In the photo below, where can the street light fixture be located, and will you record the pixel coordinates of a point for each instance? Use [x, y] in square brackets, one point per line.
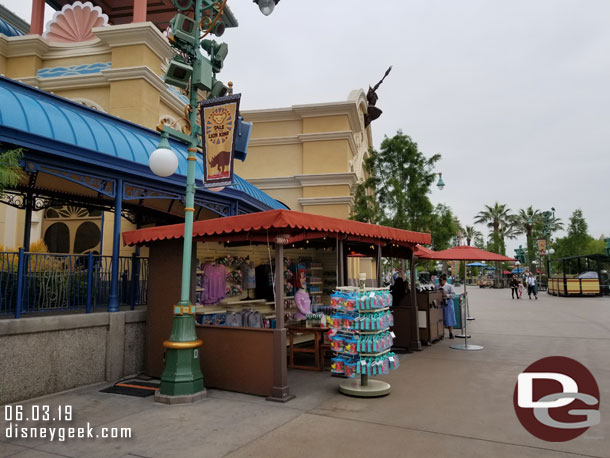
[163, 161]
[440, 184]
[266, 6]
[182, 380]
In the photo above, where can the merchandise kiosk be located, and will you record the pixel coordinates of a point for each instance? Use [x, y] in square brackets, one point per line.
[250, 356]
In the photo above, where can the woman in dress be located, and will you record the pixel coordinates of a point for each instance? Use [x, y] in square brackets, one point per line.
[448, 309]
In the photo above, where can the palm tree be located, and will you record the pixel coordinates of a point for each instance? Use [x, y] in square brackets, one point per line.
[10, 171]
[495, 217]
[507, 231]
[524, 223]
[471, 234]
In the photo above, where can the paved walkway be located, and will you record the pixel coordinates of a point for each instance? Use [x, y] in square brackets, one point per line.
[444, 403]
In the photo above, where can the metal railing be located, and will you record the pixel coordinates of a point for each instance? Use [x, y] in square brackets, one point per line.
[42, 282]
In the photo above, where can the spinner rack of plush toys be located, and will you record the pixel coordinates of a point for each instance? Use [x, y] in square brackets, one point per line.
[361, 340]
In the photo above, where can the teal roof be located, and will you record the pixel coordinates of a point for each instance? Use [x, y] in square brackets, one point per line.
[8, 30]
[92, 136]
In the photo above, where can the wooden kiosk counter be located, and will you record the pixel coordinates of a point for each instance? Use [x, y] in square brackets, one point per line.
[244, 359]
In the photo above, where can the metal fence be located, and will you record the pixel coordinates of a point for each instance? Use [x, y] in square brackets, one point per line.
[41, 282]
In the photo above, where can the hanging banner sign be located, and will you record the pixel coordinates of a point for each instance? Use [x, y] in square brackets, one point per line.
[541, 247]
[219, 123]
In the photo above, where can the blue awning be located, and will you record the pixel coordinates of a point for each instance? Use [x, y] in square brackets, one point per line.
[34, 118]
[8, 30]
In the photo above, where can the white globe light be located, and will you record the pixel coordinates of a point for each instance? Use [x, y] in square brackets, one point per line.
[551, 251]
[266, 6]
[163, 162]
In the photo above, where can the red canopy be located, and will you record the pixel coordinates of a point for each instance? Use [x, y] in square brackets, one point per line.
[423, 252]
[465, 253]
[265, 226]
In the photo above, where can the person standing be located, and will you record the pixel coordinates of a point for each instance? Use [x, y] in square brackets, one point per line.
[531, 286]
[514, 286]
[448, 308]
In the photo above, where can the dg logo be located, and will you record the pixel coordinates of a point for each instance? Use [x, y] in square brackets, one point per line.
[557, 399]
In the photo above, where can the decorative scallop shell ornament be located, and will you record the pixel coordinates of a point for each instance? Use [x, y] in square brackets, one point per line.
[74, 22]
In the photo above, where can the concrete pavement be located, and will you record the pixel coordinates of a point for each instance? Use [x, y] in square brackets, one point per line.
[444, 402]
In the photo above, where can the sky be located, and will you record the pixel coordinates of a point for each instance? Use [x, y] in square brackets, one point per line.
[513, 94]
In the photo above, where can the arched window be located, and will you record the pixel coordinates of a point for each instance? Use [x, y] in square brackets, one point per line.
[87, 237]
[57, 238]
[80, 229]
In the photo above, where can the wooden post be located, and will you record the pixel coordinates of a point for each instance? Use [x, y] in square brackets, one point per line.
[37, 18]
[280, 391]
[379, 269]
[139, 11]
[415, 343]
[340, 264]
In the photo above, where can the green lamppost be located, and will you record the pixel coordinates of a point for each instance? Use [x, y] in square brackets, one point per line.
[182, 380]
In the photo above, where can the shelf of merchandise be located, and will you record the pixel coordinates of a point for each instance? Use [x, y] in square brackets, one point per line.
[363, 386]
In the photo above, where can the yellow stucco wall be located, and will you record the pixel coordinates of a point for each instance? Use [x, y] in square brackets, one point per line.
[24, 66]
[334, 211]
[330, 156]
[99, 95]
[136, 101]
[2, 65]
[135, 56]
[276, 129]
[77, 60]
[319, 124]
[108, 234]
[288, 196]
[276, 161]
[326, 191]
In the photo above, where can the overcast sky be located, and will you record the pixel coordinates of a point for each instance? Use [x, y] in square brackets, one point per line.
[514, 94]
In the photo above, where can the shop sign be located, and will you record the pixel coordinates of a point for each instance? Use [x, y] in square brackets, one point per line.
[219, 118]
[541, 247]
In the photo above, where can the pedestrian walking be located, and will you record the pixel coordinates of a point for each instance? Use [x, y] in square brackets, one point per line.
[532, 287]
[514, 286]
[448, 310]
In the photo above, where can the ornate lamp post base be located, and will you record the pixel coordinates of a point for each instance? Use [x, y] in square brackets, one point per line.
[182, 380]
[188, 399]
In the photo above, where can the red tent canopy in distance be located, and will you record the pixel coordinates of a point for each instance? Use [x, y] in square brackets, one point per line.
[465, 253]
[423, 252]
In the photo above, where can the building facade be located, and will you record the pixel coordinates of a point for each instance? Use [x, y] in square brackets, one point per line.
[310, 157]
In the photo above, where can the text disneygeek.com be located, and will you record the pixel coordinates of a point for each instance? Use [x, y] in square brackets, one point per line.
[16, 417]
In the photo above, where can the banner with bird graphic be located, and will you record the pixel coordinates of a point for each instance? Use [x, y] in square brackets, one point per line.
[219, 119]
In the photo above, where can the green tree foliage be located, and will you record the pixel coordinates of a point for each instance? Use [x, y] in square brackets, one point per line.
[597, 246]
[497, 218]
[398, 182]
[10, 171]
[524, 222]
[578, 242]
[443, 226]
[471, 234]
[546, 225]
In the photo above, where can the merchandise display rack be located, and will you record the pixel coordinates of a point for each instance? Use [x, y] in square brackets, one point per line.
[361, 340]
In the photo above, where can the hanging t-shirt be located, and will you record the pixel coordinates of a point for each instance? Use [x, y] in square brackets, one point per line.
[214, 284]
[248, 276]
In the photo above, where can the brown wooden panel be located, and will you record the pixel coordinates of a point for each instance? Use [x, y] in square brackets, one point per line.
[237, 359]
[165, 273]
